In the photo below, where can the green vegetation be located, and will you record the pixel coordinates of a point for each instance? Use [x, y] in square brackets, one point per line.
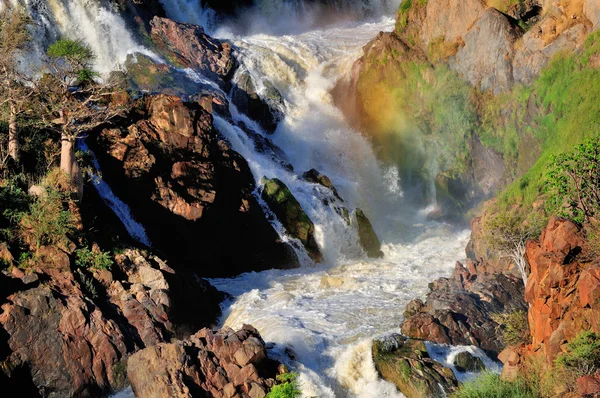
[421, 117]
[513, 328]
[90, 259]
[48, 221]
[568, 94]
[286, 387]
[583, 354]
[402, 17]
[490, 385]
[574, 182]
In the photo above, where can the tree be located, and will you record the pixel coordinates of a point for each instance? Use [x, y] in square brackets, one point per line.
[73, 98]
[574, 182]
[16, 91]
[508, 234]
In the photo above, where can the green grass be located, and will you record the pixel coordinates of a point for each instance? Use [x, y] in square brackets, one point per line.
[490, 385]
[568, 94]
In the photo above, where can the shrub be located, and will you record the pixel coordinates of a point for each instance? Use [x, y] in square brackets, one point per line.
[287, 387]
[574, 182]
[490, 385]
[86, 258]
[513, 327]
[583, 355]
[48, 222]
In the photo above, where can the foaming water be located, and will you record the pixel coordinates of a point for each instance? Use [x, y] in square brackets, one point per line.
[325, 317]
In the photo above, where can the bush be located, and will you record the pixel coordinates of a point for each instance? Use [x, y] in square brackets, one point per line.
[88, 259]
[574, 182]
[490, 385]
[287, 387]
[48, 222]
[583, 355]
[513, 328]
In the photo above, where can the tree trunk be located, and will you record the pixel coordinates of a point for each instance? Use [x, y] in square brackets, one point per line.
[67, 154]
[13, 134]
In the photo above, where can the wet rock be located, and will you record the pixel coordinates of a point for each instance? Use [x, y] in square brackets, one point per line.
[219, 363]
[179, 171]
[290, 213]
[368, 238]
[488, 69]
[459, 310]
[406, 363]
[266, 110]
[316, 177]
[266, 146]
[191, 47]
[466, 362]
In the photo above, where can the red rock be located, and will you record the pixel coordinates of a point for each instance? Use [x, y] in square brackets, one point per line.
[589, 286]
[589, 385]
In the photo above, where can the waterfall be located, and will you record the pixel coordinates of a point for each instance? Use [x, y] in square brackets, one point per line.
[135, 229]
[94, 22]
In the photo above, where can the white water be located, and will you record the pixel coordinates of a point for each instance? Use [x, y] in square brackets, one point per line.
[135, 229]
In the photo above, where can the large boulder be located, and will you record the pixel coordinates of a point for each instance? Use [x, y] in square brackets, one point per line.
[290, 213]
[406, 363]
[189, 46]
[179, 172]
[218, 364]
[485, 59]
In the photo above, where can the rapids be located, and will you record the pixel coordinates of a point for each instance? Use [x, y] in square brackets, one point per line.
[319, 319]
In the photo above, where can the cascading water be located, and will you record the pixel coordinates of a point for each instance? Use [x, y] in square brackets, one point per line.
[92, 21]
[135, 229]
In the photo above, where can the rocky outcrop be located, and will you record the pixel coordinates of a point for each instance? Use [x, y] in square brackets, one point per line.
[563, 293]
[490, 69]
[291, 215]
[466, 362]
[458, 310]
[72, 328]
[189, 46]
[179, 172]
[368, 238]
[210, 363]
[266, 110]
[406, 363]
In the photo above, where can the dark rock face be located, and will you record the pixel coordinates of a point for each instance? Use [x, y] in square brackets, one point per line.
[290, 213]
[266, 111]
[465, 362]
[218, 364]
[191, 47]
[458, 310]
[74, 331]
[406, 363]
[182, 181]
[368, 238]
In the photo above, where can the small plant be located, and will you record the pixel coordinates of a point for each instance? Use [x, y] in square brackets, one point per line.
[48, 222]
[583, 355]
[513, 328]
[87, 283]
[287, 387]
[89, 259]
